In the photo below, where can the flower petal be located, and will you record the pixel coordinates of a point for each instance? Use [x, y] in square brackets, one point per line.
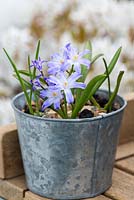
[74, 76]
[43, 93]
[85, 52]
[77, 67]
[69, 96]
[57, 105]
[46, 104]
[79, 85]
[85, 62]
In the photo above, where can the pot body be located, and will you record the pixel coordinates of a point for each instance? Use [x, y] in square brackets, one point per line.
[68, 159]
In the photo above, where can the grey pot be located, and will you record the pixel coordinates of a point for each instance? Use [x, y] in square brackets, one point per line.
[68, 158]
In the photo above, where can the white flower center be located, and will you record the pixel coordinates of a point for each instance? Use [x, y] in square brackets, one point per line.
[75, 57]
[65, 84]
[54, 94]
[61, 61]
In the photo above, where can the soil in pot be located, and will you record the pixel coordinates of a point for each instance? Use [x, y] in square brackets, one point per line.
[88, 111]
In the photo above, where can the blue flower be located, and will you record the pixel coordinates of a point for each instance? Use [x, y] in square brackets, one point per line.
[53, 96]
[38, 64]
[65, 84]
[58, 63]
[36, 83]
[75, 58]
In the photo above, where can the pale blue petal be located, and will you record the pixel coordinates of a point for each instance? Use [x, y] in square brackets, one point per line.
[53, 70]
[69, 96]
[65, 66]
[44, 93]
[75, 76]
[77, 67]
[57, 105]
[85, 52]
[55, 56]
[79, 85]
[46, 104]
[54, 80]
[85, 62]
[52, 64]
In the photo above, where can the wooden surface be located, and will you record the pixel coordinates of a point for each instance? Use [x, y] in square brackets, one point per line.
[126, 165]
[123, 176]
[13, 189]
[122, 186]
[10, 156]
[31, 196]
[125, 150]
[127, 128]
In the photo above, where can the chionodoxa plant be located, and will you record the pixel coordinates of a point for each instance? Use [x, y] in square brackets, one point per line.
[58, 84]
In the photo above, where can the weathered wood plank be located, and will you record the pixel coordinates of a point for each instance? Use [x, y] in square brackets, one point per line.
[125, 150]
[10, 156]
[126, 165]
[13, 189]
[127, 128]
[122, 186]
[30, 196]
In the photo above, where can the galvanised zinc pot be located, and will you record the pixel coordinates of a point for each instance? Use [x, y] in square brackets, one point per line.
[68, 158]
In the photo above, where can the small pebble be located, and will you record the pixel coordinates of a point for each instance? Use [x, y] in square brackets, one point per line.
[86, 114]
[115, 106]
[101, 100]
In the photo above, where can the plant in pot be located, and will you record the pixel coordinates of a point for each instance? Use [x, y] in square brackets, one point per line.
[68, 130]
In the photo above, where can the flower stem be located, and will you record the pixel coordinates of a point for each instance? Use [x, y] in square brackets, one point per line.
[93, 100]
[108, 77]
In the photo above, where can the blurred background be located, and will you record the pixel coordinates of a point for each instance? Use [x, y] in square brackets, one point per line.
[109, 24]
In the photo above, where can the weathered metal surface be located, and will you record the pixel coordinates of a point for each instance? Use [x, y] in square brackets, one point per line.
[68, 159]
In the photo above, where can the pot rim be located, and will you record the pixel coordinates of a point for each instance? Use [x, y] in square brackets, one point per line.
[68, 120]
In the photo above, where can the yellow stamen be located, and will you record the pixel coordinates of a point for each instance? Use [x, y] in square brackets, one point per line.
[65, 84]
[54, 94]
[75, 57]
[61, 61]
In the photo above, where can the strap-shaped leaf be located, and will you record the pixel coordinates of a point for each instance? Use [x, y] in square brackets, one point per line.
[87, 94]
[113, 95]
[108, 77]
[96, 58]
[37, 50]
[36, 57]
[110, 66]
[21, 82]
[24, 72]
[84, 69]
[88, 46]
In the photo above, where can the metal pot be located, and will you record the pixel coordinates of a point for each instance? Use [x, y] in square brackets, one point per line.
[68, 158]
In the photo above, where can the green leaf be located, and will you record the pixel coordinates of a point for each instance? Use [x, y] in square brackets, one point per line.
[109, 104]
[20, 80]
[114, 60]
[110, 66]
[34, 75]
[87, 94]
[84, 69]
[108, 77]
[36, 58]
[30, 73]
[37, 50]
[96, 58]
[24, 72]
[29, 67]
[26, 83]
[88, 46]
